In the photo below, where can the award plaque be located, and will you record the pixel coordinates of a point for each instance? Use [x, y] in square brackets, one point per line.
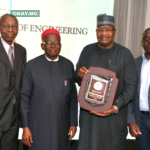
[98, 89]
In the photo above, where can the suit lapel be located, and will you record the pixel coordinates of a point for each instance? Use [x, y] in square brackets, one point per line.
[16, 54]
[4, 57]
[139, 66]
[149, 97]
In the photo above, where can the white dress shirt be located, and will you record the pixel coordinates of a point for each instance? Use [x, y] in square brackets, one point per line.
[145, 82]
[7, 46]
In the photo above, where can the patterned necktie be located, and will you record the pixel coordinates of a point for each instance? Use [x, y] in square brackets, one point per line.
[10, 55]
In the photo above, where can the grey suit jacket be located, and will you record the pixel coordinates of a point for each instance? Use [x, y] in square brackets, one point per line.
[10, 84]
[133, 107]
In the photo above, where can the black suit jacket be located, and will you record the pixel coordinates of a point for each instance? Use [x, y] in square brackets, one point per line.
[10, 84]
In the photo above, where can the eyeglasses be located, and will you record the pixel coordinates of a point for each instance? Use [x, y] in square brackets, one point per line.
[146, 38]
[7, 27]
[49, 43]
[106, 30]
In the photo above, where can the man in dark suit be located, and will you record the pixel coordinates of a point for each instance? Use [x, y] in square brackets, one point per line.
[139, 108]
[12, 61]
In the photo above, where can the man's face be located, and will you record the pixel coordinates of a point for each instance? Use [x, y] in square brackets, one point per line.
[9, 28]
[146, 42]
[51, 50]
[105, 36]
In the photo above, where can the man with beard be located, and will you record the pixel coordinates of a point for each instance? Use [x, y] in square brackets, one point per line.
[139, 108]
[12, 61]
[107, 130]
[49, 98]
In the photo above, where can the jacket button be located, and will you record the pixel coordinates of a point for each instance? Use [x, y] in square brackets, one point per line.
[14, 101]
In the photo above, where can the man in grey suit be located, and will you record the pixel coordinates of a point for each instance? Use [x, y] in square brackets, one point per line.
[12, 60]
[139, 108]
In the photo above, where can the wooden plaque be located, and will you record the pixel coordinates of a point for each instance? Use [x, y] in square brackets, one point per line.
[98, 89]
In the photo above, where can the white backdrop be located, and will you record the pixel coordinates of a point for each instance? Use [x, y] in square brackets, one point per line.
[79, 14]
[68, 16]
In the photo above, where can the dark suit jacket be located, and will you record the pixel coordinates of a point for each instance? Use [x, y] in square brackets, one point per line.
[10, 83]
[133, 107]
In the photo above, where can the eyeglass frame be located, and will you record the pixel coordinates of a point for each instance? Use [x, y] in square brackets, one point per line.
[146, 38]
[56, 44]
[106, 30]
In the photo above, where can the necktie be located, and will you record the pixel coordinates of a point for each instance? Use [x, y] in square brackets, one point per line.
[10, 55]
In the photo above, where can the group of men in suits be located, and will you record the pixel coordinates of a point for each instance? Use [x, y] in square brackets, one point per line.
[35, 94]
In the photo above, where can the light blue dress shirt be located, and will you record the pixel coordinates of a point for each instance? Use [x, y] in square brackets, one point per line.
[145, 82]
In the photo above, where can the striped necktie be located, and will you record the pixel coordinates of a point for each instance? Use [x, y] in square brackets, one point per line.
[10, 55]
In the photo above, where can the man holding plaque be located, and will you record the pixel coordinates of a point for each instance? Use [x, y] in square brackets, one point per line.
[107, 130]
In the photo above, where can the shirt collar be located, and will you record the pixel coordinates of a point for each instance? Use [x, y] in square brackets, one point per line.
[143, 56]
[52, 60]
[6, 46]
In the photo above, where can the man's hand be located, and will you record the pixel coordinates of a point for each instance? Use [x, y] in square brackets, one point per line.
[72, 132]
[134, 129]
[27, 137]
[81, 72]
[105, 113]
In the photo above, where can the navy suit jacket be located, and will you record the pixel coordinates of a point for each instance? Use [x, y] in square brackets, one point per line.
[133, 107]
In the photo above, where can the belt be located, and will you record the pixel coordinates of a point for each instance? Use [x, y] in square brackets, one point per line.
[145, 112]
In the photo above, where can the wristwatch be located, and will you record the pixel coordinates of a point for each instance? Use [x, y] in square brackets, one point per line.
[116, 108]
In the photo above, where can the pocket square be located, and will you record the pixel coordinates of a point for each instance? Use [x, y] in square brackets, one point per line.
[65, 82]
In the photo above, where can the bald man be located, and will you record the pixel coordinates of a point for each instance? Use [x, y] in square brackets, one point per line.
[12, 61]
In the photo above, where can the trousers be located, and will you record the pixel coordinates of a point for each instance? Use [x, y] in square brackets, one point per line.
[143, 140]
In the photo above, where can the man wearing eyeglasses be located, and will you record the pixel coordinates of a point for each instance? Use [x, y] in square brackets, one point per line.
[49, 98]
[107, 130]
[12, 61]
[139, 108]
